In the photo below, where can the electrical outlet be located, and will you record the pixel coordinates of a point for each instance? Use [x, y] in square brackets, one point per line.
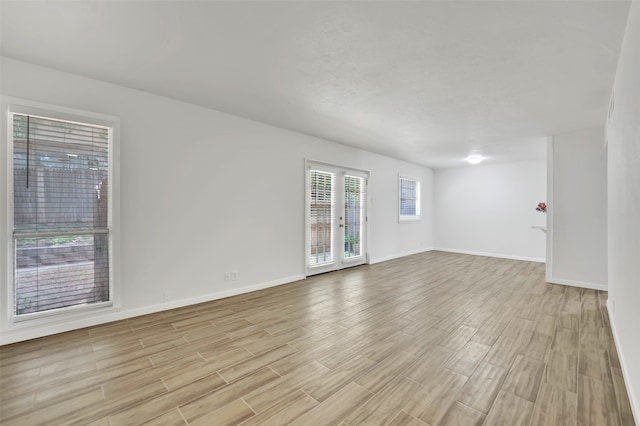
[234, 275]
[166, 296]
[227, 276]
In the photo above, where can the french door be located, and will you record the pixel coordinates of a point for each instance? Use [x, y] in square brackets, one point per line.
[336, 210]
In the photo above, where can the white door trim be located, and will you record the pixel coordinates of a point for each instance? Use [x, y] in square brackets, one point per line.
[340, 171]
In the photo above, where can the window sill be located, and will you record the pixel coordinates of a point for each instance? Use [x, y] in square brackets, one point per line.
[415, 219]
[63, 314]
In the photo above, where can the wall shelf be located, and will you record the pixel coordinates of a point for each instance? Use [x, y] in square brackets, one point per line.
[542, 228]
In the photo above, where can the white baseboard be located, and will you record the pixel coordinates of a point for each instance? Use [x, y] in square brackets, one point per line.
[582, 284]
[397, 256]
[26, 330]
[633, 400]
[502, 256]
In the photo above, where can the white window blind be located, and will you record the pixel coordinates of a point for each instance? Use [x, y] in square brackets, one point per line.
[322, 202]
[61, 214]
[409, 204]
[355, 202]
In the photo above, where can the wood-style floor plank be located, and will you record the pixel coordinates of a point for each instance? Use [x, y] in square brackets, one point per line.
[624, 407]
[483, 386]
[510, 410]
[555, 407]
[524, 378]
[403, 419]
[386, 404]
[432, 402]
[467, 359]
[461, 415]
[425, 340]
[231, 414]
[596, 399]
[337, 407]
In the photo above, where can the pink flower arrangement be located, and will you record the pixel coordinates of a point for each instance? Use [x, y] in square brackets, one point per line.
[542, 207]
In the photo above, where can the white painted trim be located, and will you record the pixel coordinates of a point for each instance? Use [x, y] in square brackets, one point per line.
[418, 217]
[633, 400]
[307, 201]
[583, 284]
[26, 331]
[11, 105]
[399, 255]
[549, 213]
[340, 172]
[502, 256]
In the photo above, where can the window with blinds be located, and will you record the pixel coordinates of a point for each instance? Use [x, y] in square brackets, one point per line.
[355, 201]
[61, 214]
[322, 201]
[409, 199]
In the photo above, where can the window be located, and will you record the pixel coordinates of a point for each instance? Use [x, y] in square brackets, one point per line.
[409, 199]
[355, 203]
[62, 212]
[321, 217]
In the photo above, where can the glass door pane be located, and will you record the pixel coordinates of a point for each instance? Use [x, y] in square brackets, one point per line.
[354, 208]
[321, 218]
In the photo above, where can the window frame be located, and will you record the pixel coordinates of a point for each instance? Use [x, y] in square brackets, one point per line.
[402, 218]
[12, 106]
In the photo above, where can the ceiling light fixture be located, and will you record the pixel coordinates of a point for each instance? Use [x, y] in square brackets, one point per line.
[474, 159]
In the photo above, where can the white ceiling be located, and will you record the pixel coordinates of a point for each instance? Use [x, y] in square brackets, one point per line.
[427, 82]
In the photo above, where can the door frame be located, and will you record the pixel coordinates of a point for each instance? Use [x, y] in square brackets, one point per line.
[340, 264]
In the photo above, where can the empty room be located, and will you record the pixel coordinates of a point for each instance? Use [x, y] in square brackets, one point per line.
[320, 213]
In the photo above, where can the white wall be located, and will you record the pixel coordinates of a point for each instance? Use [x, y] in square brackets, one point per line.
[577, 210]
[623, 134]
[490, 209]
[203, 192]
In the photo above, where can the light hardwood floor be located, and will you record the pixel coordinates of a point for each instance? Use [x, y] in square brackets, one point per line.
[430, 339]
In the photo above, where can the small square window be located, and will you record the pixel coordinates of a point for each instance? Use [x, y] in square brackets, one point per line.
[409, 199]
